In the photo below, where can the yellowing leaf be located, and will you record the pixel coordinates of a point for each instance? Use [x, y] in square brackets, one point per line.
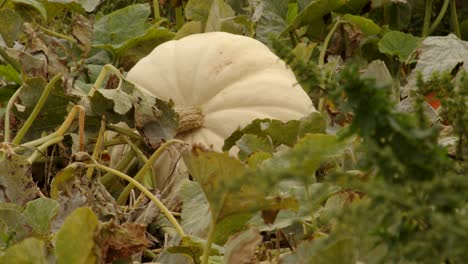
[29, 251]
[75, 240]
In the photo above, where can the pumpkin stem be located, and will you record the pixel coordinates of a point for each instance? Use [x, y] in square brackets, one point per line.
[190, 118]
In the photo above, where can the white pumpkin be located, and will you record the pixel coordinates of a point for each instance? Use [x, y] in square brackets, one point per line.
[224, 82]
[229, 79]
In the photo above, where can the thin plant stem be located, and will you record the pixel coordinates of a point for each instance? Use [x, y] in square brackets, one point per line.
[124, 131]
[121, 165]
[145, 191]
[58, 35]
[99, 83]
[6, 135]
[60, 132]
[323, 52]
[454, 18]
[179, 17]
[97, 147]
[43, 148]
[209, 242]
[69, 120]
[36, 142]
[157, 16]
[427, 18]
[138, 152]
[439, 17]
[139, 176]
[40, 104]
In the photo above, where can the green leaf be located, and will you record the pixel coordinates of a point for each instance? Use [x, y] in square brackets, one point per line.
[292, 12]
[14, 225]
[279, 132]
[154, 118]
[10, 28]
[312, 11]
[302, 161]
[39, 214]
[396, 43]
[114, 103]
[29, 251]
[16, 179]
[109, 32]
[192, 27]
[249, 144]
[231, 188]
[88, 5]
[34, 4]
[9, 73]
[303, 52]
[367, 26]
[257, 158]
[196, 214]
[198, 10]
[78, 227]
[219, 12]
[118, 27]
[378, 71]
[352, 7]
[270, 16]
[122, 101]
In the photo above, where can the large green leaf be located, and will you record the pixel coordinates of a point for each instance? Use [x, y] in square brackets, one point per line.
[231, 188]
[119, 27]
[196, 215]
[125, 28]
[302, 161]
[396, 43]
[75, 240]
[270, 16]
[278, 132]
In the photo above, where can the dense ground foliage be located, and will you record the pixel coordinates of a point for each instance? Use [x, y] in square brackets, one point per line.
[378, 175]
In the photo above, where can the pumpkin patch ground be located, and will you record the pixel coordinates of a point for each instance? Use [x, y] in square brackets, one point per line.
[232, 131]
